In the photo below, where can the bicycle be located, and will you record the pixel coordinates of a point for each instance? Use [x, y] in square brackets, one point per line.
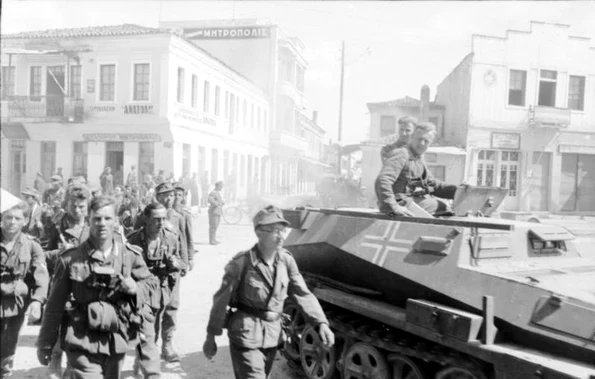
[234, 213]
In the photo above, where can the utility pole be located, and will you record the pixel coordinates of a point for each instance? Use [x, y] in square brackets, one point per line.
[341, 91]
[341, 106]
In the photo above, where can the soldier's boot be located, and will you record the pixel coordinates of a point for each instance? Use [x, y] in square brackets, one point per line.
[6, 367]
[55, 366]
[168, 353]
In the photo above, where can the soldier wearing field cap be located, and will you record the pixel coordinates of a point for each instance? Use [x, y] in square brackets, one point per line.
[215, 209]
[33, 227]
[249, 303]
[55, 192]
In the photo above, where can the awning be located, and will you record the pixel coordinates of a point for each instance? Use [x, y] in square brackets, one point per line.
[14, 130]
[313, 161]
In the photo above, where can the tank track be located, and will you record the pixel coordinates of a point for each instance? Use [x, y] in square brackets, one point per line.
[350, 327]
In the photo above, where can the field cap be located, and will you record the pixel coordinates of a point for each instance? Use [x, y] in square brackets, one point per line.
[179, 186]
[269, 215]
[29, 191]
[164, 187]
[56, 178]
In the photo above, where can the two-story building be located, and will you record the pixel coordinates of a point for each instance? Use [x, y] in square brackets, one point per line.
[118, 96]
[524, 106]
[276, 63]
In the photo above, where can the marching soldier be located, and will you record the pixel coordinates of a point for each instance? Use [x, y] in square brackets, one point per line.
[97, 290]
[255, 285]
[215, 209]
[24, 282]
[160, 248]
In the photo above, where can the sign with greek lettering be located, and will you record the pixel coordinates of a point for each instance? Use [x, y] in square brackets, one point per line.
[124, 137]
[138, 109]
[506, 141]
[238, 32]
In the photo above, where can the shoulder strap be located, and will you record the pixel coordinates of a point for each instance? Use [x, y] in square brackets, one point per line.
[245, 263]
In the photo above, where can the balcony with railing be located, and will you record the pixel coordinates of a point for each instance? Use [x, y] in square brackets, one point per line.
[286, 142]
[41, 109]
[549, 117]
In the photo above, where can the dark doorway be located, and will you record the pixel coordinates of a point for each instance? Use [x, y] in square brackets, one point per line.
[18, 161]
[577, 186]
[55, 91]
[114, 158]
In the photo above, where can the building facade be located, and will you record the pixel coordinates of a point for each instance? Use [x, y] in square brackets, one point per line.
[276, 63]
[524, 106]
[118, 96]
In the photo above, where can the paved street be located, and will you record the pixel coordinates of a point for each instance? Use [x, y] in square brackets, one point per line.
[197, 290]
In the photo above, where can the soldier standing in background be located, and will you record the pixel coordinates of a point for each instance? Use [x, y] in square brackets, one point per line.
[215, 210]
[24, 282]
[182, 209]
[97, 289]
[55, 192]
[160, 248]
[33, 227]
[107, 181]
[131, 179]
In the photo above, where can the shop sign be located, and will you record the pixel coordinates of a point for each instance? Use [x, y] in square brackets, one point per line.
[102, 108]
[573, 149]
[124, 137]
[506, 141]
[138, 109]
[90, 85]
[239, 32]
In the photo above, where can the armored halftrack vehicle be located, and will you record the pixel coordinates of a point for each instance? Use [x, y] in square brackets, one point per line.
[466, 296]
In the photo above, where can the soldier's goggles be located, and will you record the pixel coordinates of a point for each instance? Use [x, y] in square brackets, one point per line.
[280, 232]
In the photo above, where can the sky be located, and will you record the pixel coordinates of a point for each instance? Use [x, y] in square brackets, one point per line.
[392, 48]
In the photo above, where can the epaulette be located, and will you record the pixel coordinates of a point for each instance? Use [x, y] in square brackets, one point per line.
[135, 249]
[240, 255]
[287, 252]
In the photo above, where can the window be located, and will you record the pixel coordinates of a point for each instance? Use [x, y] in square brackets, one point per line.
[48, 158]
[258, 119]
[194, 97]
[75, 81]
[146, 158]
[217, 100]
[232, 107]
[180, 96]
[266, 120]
[486, 163]
[141, 82]
[387, 125]
[206, 97]
[226, 105]
[576, 93]
[300, 79]
[547, 88]
[438, 172]
[8, 80]
[79, 159]
[35, 83]
[498, 168]
[508, 171]
[517, 87]
[252, 115]
[245, 113]
[107, 84]
[237, 118]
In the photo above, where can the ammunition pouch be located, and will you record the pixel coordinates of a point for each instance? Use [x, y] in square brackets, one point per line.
[102, 316]
[11, 283]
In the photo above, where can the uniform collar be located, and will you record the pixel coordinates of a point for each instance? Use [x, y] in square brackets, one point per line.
[255, 257]
[413, 155]
[98, 254]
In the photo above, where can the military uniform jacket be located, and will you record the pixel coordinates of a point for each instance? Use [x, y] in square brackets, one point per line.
[168, 246]
[388, 150]
[176, 225]
[26, 257]
[64, 231]
[187, 218]
[32, 227]
[215, 202]
[397, 172]
[259, 290]
[126, 260]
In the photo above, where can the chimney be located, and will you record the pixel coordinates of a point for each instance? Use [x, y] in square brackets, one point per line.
[424, 111]
[315, 117]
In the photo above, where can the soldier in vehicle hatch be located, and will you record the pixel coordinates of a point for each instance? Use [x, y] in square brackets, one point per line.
[97, 290]
[405, 177]
[406, 127]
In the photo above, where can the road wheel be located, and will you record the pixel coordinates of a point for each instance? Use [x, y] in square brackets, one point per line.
[406, 368]
[318, 362]
[364, 361]
[454, 372]
[298, 323]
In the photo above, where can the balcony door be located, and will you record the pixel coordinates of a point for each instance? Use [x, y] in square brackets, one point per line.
[55, 85]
